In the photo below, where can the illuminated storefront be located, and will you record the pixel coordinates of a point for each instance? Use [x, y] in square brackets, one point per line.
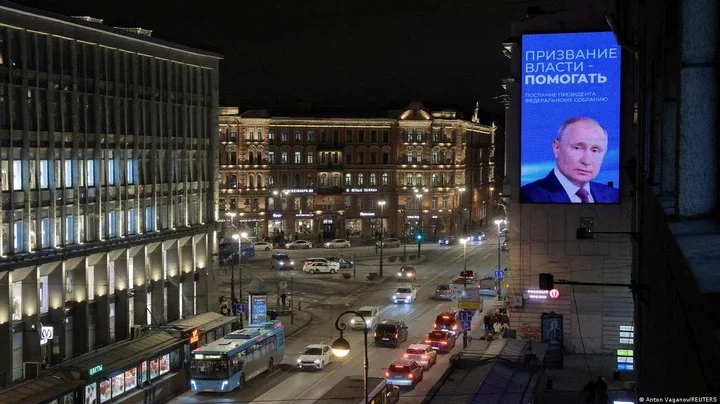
[304, 223]
[277, 223]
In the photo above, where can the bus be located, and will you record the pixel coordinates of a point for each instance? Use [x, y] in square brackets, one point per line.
[228, 250]
[350, 391]
[227, 363]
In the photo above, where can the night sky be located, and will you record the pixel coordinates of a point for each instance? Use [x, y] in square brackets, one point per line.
[344, 57]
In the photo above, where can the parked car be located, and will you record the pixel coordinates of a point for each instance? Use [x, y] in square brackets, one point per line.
[390, 243]
[317, 267]
[407, 272]
[442, 341]
[390, 332]
[448, 241]
[337, 243]
[262, 245]
[344, 262]
[328, 261]
[404, 372]
[423, 354]
[444, 292]
[299, 244]
[371, 315]
[405, 294]
[488, 286]
[315, 356]
[281, 261]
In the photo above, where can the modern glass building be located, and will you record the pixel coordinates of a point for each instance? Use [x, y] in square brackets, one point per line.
[108, 160]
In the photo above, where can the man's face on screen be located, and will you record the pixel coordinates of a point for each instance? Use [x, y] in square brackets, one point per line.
[580, 151]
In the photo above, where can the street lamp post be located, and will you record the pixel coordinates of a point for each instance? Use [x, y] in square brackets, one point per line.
[499, 282]
[464, 243]
[420, 222]
[239, 238]
[382, 216]
[341, 347]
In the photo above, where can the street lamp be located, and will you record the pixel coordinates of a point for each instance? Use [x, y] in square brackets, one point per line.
[459, 207]
[239, 238]
[382, 219]
[464, 243]
[499, 288]
[341, 347]
[232, 218]
[420, 222]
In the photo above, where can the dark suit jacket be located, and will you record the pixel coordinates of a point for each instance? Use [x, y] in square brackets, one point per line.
[549, 190]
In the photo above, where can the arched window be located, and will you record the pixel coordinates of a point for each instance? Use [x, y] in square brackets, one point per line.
[410, 156]
[252, 157]
[284, 181]
[271, 180]
[348, 179]
[361, 179]
[259, 181]
[434, 180]
[258, 158]
[251, 181]
[310, 180]
[442, 157]
[336, 180]
[409, 179]
[418, 180]
[385, 179]
[373, 179]
[297, 181]
[435, 157]
[323, 180]
[418, 154]
[233, 181]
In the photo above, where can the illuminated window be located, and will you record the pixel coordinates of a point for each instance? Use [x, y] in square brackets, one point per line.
[284, 157]
[373, 179]
[298, 157]
[361, 179]
[348, 179]
[410, 157]
[385, 179]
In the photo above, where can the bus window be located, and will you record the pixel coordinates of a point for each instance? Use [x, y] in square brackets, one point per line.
[209, 368]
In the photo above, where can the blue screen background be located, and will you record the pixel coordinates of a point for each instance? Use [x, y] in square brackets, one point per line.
[540, 122]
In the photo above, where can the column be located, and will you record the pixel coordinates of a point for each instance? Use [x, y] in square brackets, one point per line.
[122, 285]
[80, 312]
[157, 288]
[697, 152]
[30, 317]
[6, 342]
[172, 260]
[140, 286]
[203, 268]
[187, 279]
[56, 308]
[102, 303]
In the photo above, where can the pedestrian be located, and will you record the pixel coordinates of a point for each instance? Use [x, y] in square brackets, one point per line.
[589, 392]
[465, 339]
[497, 328]
[601, 396]
[273, 314]
[283, 297]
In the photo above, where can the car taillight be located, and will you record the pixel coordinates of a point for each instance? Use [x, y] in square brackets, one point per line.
[434, 325]
[387, 374]
[374, 334]
[396, 335]
[424, 357]
[427, 341]
[443, 342]
[406, 356]
[411, 376]
[437, 290]
[455, 327]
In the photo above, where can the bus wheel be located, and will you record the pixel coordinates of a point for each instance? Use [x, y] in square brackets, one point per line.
[271, 365]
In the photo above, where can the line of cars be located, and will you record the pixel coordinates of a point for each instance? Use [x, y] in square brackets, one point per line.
[315, 265]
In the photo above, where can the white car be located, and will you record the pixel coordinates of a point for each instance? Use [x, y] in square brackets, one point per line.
[405, 294]
[299, 244]
[337, 243]
[317, 267]
[371, 315]
[333, 264]
[315, 356]
[423, 354]
[262, 245]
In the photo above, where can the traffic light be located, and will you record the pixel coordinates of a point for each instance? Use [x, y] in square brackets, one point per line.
[546, 282]
[419, 237]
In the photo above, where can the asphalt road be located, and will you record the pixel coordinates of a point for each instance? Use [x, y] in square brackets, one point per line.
[326, 296]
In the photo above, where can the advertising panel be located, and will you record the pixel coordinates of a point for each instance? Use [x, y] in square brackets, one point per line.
[91, 393]
[570, 118]
[154, 368]
[164, 364]
[258, 309]
[131, 379]
[105, 391]
[118, 384]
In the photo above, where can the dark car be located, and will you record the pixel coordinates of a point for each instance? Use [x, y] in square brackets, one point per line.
[466, 276]
[407, 272]
[448, 241]
[479, 236]
[404, 372]
[344, 263]
[447, 321]
[391, 332]
[281, 261]
[505, 246]
[444, 292]
[442, 341]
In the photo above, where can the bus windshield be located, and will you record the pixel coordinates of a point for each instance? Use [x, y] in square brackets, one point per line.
[209, 368]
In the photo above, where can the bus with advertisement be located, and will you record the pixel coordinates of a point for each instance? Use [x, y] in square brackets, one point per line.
[229, 247]
[228, 363]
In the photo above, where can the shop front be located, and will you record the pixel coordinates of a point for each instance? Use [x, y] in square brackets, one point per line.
[368, 224]
[277, 224]
[412, 225]
[330, 228]
[252, 226]
[304, 224]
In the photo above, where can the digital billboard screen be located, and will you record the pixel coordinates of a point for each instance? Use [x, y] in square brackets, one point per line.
[570, 118]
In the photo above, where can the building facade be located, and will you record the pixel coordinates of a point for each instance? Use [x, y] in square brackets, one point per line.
[543, 237]
[326, 176]
[108, 139]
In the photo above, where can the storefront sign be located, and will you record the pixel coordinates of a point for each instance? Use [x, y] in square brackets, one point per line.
[277, 215]
[299, 191]
[361, 190]
[258, 309]
[367, 214]
[194, 336]
[536, 294]
[97, 369]
[434, 216]
[248, 220]
[328, 221]
[413, 217]
[304, 215]
[46, 333]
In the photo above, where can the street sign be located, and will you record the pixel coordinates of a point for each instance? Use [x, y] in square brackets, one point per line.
[466, 315]
[498, 274]
[239, 308]
[469, 304]
[465, 325]
[469, 299]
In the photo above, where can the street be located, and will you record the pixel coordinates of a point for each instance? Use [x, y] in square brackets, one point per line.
[326, 296]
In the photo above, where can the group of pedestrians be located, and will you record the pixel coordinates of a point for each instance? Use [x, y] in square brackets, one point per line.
[496, 323]
[595, 391]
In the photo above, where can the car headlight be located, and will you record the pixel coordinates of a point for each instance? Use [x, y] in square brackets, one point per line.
[368, 322]
[281, 262]
[399, 273]
[292, 262]
[317, 361]
[299, 360]
[352, 321]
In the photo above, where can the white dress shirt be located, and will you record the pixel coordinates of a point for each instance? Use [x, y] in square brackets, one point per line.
[571, 188]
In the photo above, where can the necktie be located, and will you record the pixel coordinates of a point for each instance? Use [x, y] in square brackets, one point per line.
[583, 194]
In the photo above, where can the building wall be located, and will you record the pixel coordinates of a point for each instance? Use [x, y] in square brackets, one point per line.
[542, 238]
[107, 171]
[344, 167]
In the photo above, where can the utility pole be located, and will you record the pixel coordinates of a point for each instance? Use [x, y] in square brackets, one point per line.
[382, 211]
[292, 301]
